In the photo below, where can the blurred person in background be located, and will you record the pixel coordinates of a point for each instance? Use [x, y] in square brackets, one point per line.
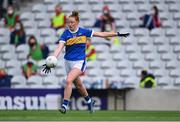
[90, 51]
[59, 20]
[18, 36]
[5, 79]
[11, 18]
[3, 8]
[151, 20]
[29, 68]
[147, 80]
[107, 23]
[37, 51]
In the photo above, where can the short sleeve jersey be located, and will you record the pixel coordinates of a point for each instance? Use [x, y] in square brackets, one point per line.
[75, 43]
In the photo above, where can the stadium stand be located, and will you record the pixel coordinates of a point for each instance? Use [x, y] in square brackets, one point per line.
[157, 50]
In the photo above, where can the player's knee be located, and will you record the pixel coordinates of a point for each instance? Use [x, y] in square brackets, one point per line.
[79, 85]
[68, 82]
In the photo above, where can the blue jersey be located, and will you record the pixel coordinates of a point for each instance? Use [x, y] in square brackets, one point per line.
[75, 43]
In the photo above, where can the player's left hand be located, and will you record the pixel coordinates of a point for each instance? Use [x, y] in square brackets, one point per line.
[123, 35]
[46, 69]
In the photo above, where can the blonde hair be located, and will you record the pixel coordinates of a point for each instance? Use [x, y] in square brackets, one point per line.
[75, 14]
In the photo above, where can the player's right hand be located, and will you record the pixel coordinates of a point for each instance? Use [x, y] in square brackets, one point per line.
[46, 69]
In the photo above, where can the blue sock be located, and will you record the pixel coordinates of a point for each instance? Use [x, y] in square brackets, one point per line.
[88, 99]
[65, 103]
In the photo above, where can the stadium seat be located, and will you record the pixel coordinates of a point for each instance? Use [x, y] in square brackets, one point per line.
[176, 49]
[170, 1]
[22, 56]
[120, 56]
[51, 1]
[51, 82]
[60, 72]
[177, 82]
[168, 23]
[79, 1]
[132, 48]
[115, 49]
[131, 82]
[27, 16]
[94, 72]
[127, 73]
[4, 32]
[175, 72]
[157, 32]
[102, 48]
[164, 16]
[104, 56]
[107, 64]
[136, 56]
[172, 64]
[9, 56]
[32, 31]
[171, 32]
[82, 8]
[122, 24]
[129, 7]
[140, 1]
[13, 64]
[152, 56]
[175, 40]
[160, 40]
[127, 41]
[176, 16]
[2, 63]
[111, 72]
[39, 8]
[44, 24]
[164, 82]
[18, 81]
[144, 40]
[174, 8]
[4, 39]
[140, 64]
[160, 73]
[92, 64]
[95, 1]
[97, 8]
[14, 71]
[124, 64]
[22, 48]
[133, 16]
[163, 48]
[7, 49]
[143, 8]
[48, 32]
[29, 24]
[141, 32]
[168, 56]
[34, 82]
[156, 64]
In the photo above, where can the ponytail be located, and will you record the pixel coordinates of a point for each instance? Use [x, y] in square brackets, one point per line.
[75, 14]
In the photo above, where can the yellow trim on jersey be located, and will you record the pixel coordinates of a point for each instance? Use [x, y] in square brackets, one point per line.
[76, 40]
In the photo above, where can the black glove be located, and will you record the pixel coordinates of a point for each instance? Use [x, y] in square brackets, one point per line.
[46, 69]
[124, 34]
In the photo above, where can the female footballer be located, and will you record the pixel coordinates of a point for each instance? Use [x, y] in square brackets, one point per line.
[74, 39]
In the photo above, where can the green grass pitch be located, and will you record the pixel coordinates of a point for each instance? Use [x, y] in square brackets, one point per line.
[15, 115]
